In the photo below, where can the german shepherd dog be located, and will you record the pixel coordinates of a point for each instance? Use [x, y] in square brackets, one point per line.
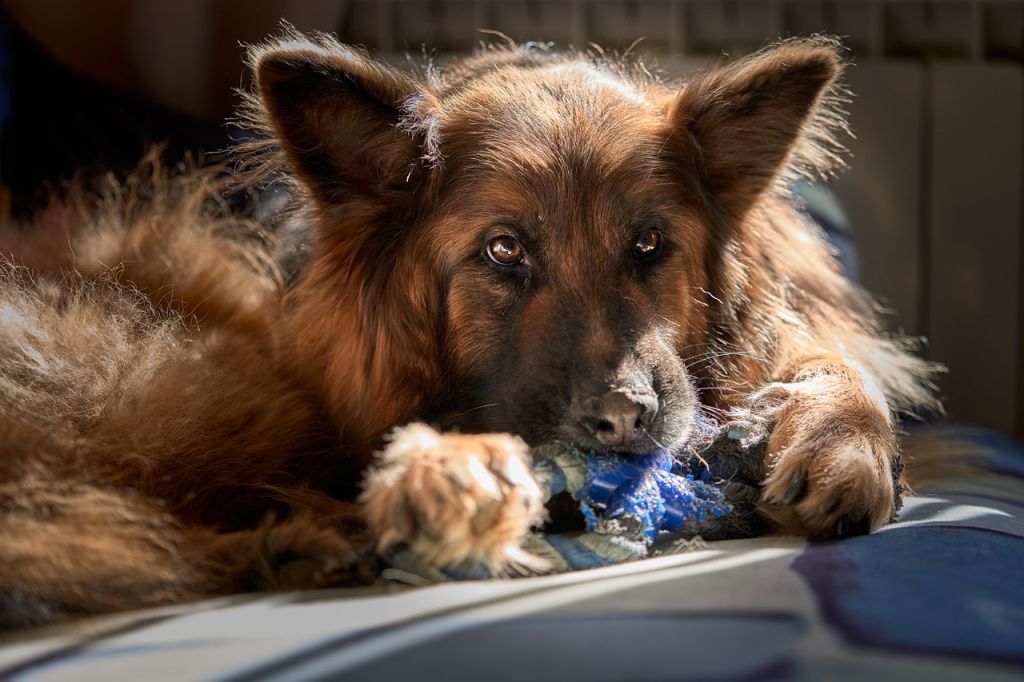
[526, 247]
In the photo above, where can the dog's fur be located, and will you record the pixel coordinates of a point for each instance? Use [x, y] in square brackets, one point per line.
[177, 421]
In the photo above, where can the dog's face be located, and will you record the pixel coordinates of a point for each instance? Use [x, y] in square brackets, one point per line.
[560, 226]
[557, 224]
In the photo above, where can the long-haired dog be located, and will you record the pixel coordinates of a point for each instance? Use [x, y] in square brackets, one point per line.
[523, 248]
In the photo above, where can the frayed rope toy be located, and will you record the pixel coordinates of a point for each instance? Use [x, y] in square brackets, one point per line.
[637, 506]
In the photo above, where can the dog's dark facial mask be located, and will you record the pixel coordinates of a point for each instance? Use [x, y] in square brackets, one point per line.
[629, 392]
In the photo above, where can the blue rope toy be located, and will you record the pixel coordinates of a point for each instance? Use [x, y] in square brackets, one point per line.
[627, 503]
[637, 506]
[641, 495]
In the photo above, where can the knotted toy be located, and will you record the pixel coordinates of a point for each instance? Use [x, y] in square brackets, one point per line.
[636, 506]
[639, 505]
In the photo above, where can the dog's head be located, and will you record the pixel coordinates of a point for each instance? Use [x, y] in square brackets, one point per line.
[536, 237]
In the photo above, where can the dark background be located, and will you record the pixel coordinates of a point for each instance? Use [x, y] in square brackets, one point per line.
[933, 196]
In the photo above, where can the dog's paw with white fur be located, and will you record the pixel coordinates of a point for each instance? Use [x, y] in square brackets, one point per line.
[451, 498]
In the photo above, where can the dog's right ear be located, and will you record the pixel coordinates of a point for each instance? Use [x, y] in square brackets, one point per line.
[336, 113]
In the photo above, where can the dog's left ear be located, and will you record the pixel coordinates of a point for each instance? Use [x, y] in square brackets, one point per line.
[739, 126]
[336, 113]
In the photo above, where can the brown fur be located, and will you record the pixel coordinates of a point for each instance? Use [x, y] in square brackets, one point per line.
[176, 422]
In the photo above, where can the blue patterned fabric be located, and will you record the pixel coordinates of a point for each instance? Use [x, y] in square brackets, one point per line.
[936, 589]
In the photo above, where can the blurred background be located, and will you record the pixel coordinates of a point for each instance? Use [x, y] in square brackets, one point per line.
[932, 200]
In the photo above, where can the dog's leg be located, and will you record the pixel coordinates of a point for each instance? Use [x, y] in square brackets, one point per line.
[451, 498]
[300, 552]
[832, 452]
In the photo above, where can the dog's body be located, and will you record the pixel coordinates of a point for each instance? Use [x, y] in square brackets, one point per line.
[554, 247]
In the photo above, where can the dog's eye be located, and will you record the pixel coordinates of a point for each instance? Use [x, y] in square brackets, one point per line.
[647, 244]
[505, 250]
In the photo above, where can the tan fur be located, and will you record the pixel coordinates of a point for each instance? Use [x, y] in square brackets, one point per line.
[180, 423]
[452, 498]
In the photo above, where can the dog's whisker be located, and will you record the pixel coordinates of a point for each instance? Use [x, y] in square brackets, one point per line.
[477, 408]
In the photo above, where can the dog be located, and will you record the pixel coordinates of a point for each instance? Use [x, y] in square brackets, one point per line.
[525, 247]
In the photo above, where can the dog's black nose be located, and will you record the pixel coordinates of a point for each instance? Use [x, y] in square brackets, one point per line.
[619, 420]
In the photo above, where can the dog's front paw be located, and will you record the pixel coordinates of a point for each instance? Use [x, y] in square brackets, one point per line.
[830, 470]
[451, 498]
